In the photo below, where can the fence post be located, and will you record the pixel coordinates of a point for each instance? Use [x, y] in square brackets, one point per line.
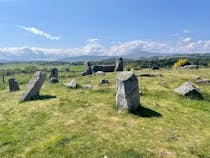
[3, 80]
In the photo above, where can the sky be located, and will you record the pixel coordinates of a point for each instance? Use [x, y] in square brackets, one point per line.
[103, 27]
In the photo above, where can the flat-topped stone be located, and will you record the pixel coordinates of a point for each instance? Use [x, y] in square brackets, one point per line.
[127, 96]
[205, 81]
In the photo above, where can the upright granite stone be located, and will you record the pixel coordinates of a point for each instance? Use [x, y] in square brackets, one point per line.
[13, 85]
[34, 86]
[118, 64]
[189, 90]
[127, 96]
[87, 64]
[89, 71]
[54, 75]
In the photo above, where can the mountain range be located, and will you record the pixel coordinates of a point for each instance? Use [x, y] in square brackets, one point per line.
[27, 54]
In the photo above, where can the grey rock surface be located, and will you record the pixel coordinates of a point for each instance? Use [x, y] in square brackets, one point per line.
[104, 81]
[127, 96]
[54, 75]
[189, 90]
[13, 85]
[190, 67]
[34, 86]
[72, 84]
[54, 80]
[203, 81]
[100, 73]
[118, 64]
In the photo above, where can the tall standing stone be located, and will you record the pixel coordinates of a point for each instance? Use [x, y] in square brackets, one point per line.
[119, 64]
[34, 86]
[87, 64]
[127, 96]
[54, 75]
[13, 85]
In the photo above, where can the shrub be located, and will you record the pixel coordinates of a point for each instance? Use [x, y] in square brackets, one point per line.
[181, 62]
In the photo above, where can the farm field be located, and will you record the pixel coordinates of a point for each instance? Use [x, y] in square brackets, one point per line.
[82, 122]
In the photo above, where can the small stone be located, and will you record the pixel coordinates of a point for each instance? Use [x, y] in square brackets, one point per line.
[203, 81]
[84, 73]
[87, 86]
[72, 84]
[146, 75]
[190, 67]
[197, 77]
[100, 73]
[189, 90]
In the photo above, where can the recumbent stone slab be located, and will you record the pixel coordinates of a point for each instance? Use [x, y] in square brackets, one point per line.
[189, 90]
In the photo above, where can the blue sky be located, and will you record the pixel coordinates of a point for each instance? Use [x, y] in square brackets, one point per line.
[104, 27]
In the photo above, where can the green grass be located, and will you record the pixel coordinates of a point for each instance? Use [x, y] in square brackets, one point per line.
[85, 123]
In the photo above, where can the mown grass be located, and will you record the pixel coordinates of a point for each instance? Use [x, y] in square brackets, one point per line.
[85, 123]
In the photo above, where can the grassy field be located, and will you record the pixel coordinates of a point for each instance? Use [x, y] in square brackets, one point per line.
[80, 122]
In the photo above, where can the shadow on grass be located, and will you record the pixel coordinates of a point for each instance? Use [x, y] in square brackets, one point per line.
[206, 97]
[146, 112]
[45, 97]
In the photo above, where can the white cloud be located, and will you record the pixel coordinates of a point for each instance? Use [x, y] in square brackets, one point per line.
[92, 40]
[184, 45]
[187, 39]
[39, 32]
[187, 31]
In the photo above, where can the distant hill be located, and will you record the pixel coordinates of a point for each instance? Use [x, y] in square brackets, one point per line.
[85, 58]
[144, 54]
[107, 58]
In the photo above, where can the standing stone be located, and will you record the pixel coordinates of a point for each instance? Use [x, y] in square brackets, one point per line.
[127, 96]
[89, 71]
[34, 86]
[87, 64]
[119, 64]
[13, 85]
[189, 90]
[54, 75]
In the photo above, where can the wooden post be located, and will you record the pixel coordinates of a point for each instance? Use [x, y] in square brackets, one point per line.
[3, 80]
